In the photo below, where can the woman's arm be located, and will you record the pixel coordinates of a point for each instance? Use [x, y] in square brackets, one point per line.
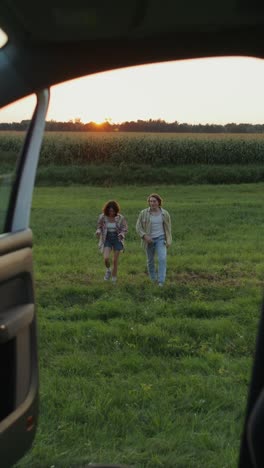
[139, 226]
[123, 227]
[99, 226]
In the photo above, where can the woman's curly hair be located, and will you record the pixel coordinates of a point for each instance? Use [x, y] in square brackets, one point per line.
[111, 204]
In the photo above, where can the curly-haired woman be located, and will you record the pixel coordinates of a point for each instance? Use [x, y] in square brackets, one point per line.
[111, 230]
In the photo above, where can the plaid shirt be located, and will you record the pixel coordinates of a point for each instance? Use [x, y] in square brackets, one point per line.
[143, 226]
[121, 229]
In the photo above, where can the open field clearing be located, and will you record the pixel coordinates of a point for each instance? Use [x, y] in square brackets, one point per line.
[132, 374]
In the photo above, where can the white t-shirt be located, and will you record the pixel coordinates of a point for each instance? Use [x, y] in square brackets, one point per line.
[156, 226]
[111, 227]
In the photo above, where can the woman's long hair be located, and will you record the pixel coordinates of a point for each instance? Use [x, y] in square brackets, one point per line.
[111, 204]
[157, 196]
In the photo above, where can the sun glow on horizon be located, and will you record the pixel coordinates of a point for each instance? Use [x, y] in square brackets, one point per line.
[99, 123]
[200, 91]
[213, 90]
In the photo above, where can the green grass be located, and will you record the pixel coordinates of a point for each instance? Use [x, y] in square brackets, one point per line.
[107, 175]
[135, 374]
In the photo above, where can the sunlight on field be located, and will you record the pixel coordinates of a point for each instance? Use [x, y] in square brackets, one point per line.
[211, 136]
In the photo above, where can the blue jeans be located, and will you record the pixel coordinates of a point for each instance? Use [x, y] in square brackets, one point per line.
[158, 245]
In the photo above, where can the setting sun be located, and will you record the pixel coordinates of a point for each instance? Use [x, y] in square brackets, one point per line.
[216, 90]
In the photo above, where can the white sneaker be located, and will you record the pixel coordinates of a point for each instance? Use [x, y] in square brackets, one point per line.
[114, 279]
[107, 275]
[161, 285]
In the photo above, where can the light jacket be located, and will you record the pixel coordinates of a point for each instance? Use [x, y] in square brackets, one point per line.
[143, 225]
[121, 229]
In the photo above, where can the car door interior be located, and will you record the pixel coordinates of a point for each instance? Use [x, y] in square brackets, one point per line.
[49, 44]
[251, 450]
[18, 338]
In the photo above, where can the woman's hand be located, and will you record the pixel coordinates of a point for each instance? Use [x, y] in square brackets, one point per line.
[148, 239]
[97, 234]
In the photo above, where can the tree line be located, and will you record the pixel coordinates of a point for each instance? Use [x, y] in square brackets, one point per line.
[158, 125]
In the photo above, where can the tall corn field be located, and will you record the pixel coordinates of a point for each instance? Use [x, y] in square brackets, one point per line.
[62, 148]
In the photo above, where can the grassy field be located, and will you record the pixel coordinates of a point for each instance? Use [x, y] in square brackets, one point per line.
[130, 373]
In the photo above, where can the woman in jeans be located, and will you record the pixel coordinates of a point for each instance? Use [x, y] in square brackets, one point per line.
[154, 228]
[111, 230]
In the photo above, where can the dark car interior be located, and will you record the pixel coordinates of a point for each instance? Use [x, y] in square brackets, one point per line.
[50, 43]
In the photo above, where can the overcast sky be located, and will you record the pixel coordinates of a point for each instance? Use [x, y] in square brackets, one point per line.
[217, 90]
